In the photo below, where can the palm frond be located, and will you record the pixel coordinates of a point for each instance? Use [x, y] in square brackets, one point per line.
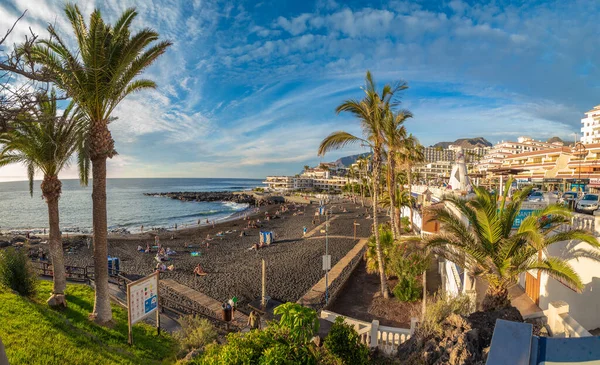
[337, 140]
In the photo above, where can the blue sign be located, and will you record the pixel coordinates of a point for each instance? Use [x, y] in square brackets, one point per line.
[150, 304]
[523, 213]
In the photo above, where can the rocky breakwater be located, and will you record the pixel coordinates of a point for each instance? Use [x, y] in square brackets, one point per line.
[208, 196]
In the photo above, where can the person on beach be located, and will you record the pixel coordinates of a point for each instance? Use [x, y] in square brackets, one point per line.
[254, 320]
[304, 231]
[147, 248]
[198, 271]
[142, 228]
[140, 248]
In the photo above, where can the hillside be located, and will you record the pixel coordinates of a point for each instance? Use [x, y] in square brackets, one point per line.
[558, 139]
[349, 160]
[466, 143]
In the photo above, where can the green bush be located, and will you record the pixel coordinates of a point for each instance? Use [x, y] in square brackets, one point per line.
[302, 322]
[408, 289]
[273, 345]
[407, 262]
[195, 333]
[16, 272]
[405, 224]
[437, 311]
[343, 341]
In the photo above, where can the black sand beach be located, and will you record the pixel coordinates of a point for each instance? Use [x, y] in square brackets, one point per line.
[294, 263]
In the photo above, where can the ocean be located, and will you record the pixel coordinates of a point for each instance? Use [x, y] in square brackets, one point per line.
[128, 207]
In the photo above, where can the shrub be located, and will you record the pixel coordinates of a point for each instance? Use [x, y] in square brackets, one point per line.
[386, 241]
[195, 333]
[343, 341]
[405, 224]
[408, 289]
[273, 345]
[440, 309]
[16, 272]
[407, 262]
[302, 322]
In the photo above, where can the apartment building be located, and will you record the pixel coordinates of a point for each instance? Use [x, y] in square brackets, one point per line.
[319, 178]
[590, 126]
[434, 170]
[494, 158]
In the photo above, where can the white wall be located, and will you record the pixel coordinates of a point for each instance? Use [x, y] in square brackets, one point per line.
[584, 307]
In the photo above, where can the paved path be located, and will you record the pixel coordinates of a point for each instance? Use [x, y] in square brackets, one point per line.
[240, 320]
[320, 226]
[315, 293]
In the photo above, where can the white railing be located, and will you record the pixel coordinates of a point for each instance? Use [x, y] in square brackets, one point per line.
[581, 221]
[386, 339]
[561, 323]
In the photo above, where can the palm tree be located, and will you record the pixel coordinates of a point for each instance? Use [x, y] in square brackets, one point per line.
[45, 142]
[411, 152]
[487, 246]
[394, 133]
[370, 111]
[100, 73]
[386, 239]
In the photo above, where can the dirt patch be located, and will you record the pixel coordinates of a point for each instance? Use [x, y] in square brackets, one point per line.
[361, 299]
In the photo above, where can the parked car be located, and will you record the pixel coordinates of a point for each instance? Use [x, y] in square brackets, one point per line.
[535, 196]
[568, 198]
[587, 204]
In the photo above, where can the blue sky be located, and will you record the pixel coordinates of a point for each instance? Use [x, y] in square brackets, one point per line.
[250, 87]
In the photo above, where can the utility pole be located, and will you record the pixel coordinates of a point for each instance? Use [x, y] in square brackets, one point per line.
[328, 260]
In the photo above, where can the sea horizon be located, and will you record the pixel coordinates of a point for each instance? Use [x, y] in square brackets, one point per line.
[128, 207]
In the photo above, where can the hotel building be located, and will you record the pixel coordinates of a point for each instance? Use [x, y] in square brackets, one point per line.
[497, 154]
[590, 126]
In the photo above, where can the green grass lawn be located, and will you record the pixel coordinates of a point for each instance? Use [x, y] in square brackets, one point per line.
[33, 333]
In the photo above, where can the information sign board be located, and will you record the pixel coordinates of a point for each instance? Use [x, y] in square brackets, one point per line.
[142, 300]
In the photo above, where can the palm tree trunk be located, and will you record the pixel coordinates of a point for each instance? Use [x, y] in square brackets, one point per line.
[409, 181]
[51, 188]
[496, 297]
[424, 300]
[102, 313]
[391, 181]
[376, 167]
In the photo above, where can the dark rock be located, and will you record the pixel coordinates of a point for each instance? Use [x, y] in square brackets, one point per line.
[4, 244]
[464, 340]
[18, 239]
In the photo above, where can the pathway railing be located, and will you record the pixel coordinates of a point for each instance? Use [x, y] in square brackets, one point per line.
[385, 338]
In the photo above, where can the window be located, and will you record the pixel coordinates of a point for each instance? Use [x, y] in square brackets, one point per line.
[537, 160]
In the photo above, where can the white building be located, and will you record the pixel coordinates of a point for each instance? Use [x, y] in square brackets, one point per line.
[590, 126]
[496, 155]
[312, 179]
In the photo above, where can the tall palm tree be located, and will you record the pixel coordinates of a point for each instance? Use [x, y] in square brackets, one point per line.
[394, 133]
[370, 111]
[98, 74]
[45, 142]
[410, 153]
[487, 245]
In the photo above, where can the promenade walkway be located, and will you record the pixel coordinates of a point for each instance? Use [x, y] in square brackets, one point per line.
[214, 306]
[318, 228]
[315, 293]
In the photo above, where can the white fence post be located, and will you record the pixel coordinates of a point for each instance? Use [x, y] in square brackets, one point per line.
[413, 325]
[374, 333]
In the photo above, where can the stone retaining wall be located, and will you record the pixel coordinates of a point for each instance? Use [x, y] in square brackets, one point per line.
[338, 275]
